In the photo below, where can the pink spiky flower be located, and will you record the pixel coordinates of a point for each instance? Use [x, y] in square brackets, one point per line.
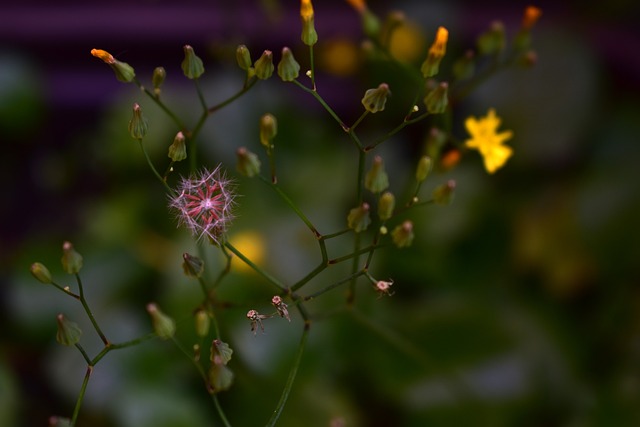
[204, 203]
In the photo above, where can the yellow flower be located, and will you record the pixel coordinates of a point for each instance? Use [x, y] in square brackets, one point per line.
[306, 10]
[486, 139]
[439, 46]
[252, 244]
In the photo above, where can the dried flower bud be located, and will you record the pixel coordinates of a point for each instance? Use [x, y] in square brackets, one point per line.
[386, 204]
[71, 260]
[264, 65]
[256, 319]
[384, 287]
[124, 72]
[178, 149]
[423, 169]
[243, 57]
[375, 99]
[163, 325]
[138, 125]
[40, 272]
[192, 265]
[443, 194]
[402, 235]
[431, 65]
[268, 129]
[159, 74]
[376, 180]
[492, 41]
[309, 35]
[437, 99]
[203, 322]
[192, 65]
[435, 141]
[359, 219]
[68, 332]
[288, 68]
[281, 307]
[247, 163]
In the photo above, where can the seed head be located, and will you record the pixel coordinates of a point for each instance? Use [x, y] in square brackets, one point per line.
[203, 204]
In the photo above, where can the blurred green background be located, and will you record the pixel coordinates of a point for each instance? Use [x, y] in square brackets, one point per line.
[517, 305]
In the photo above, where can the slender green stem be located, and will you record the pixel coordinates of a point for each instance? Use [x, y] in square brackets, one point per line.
[223, 417]
[290, 380]
[353, 255]
[292, 205]
[162, 106]
[200, 94]
[362, 155]
[322, 102]
[395, 130]
[83, 389]
[336, 234]
[275, 282]
[84, 353]
[313, 68]
[227, 267]
[357, 122]
[238, 94]
[334, 285]
[300, 283]
[66, 290]
[87, 310]
[153, 168]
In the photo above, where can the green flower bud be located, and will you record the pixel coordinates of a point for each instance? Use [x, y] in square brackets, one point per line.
[443, 194]
[203, 322]
[375, 99]
[437, 99]
[376, 180]
[402, 235]
[159, 74]
[163, 325]
[386, 204]
[309, 35]
[493, 40]
[178, 149]
[71, 260]
[268, 129]
[248, 163]
[358, 219]
[423, 169]
[264, 65]
[192, 66]
[68, 332]
[192, 265]
[220, 376]
[123, 71]
[138, 125]
[243, 57]
[288, 68]
[370, 23]
[40, 272]
[465, 66]
[435, 141]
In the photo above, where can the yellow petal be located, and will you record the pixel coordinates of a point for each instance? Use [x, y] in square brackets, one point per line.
[104, 55]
